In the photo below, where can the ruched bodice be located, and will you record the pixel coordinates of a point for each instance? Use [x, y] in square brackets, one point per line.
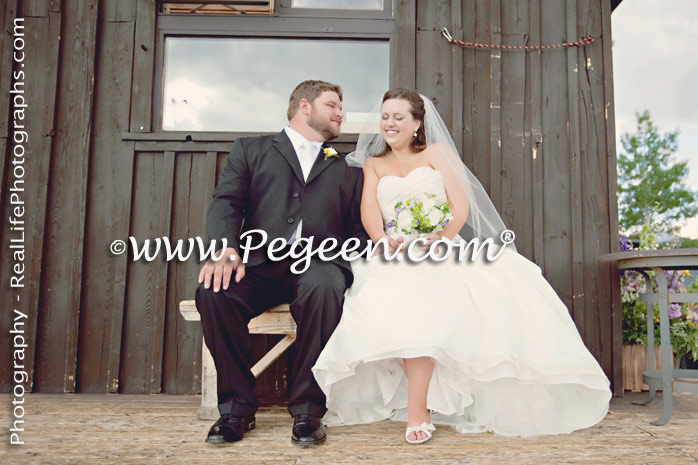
[392, 189]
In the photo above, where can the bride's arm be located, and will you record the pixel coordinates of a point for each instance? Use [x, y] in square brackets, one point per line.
[457, 197]
[371, 216]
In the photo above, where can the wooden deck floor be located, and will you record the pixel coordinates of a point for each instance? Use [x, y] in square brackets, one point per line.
[85, 428]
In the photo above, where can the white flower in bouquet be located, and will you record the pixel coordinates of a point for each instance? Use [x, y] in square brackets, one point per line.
[405, 220]
[435, 216]
[417, 215]
[428, 205]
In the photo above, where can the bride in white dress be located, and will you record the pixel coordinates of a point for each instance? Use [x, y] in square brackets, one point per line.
[477, 345]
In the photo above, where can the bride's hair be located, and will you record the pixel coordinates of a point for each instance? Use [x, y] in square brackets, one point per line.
[416, 110]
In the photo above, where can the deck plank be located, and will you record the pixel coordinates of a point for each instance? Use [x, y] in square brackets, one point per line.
[85, 428]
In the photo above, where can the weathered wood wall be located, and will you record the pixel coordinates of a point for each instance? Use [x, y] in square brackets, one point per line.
[536, 127]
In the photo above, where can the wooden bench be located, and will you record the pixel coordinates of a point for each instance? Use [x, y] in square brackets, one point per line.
[277, 320]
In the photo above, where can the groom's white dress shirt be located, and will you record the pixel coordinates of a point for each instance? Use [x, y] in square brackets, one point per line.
[307, 152]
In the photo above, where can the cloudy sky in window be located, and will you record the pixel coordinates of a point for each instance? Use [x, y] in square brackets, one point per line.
[226, 84]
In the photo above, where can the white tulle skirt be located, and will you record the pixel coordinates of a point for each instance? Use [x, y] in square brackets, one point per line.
[508, 358]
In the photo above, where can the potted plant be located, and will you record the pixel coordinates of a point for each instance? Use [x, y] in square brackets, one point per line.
[683, 324]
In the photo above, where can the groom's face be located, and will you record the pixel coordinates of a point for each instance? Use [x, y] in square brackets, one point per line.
[325, 115]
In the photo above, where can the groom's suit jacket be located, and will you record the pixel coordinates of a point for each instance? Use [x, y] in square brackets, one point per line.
[262, 187]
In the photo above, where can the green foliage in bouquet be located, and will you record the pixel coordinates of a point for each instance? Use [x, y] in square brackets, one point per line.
[421, 215]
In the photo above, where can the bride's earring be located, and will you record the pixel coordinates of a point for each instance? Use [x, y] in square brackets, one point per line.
[415, 134]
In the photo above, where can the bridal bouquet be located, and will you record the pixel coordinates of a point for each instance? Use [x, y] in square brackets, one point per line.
[418, 215]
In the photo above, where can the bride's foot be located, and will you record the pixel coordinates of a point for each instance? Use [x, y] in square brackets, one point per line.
[418, 371]
[419, 434]
[419, 427]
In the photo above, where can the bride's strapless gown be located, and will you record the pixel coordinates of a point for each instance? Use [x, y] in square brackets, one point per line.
[508, 358]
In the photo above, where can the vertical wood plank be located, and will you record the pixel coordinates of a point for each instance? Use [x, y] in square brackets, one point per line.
[634, 363]
[480, 109]
[468, 71]
[515, 163]
[45, 80]
[471, 79]
[593, 184]
[8, 13]
[35, 8]
[210, 174]
[405, 42]
[194, 182]
[109, 194]
[164, 216]
[597, 326]
[576, 237]
[537, 152]
[181, 368]
[611, 200]
[434, 78]
[176, 281]
[525, 246]
[143, 332]
[116, 11]
[495, 133]
[457, 80]
[556, 161]
[143, 67]
[39, 87]
[63, 242]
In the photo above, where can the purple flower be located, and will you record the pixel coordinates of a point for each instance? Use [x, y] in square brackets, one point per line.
[675, 281]
[389, 224]
[674, 311]
[635, 280]
[444, 223]
[624, 243]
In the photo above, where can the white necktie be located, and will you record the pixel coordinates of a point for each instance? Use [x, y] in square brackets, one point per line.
[306, 158]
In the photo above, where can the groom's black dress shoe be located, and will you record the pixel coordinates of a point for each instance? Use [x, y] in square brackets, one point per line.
[229, 428]
[308, 430]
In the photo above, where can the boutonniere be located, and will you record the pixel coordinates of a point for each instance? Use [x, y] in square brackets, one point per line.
[329, 152]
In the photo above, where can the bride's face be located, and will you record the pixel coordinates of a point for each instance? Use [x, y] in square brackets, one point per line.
[397, 124]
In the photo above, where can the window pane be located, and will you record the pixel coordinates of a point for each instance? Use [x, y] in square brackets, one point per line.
[231, 84]
[339, 4]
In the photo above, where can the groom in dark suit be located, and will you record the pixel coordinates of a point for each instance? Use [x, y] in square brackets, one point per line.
[291, 185]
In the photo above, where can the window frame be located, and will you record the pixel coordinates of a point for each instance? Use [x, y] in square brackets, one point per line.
[263, 27]
[283, 8]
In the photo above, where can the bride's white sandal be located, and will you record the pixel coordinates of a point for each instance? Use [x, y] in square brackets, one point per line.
[426, 428]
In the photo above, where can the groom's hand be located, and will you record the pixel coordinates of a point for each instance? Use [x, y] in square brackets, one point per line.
[222, 270]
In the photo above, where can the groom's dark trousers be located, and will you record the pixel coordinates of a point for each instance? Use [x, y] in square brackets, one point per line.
[315, 297]
[262, 187]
